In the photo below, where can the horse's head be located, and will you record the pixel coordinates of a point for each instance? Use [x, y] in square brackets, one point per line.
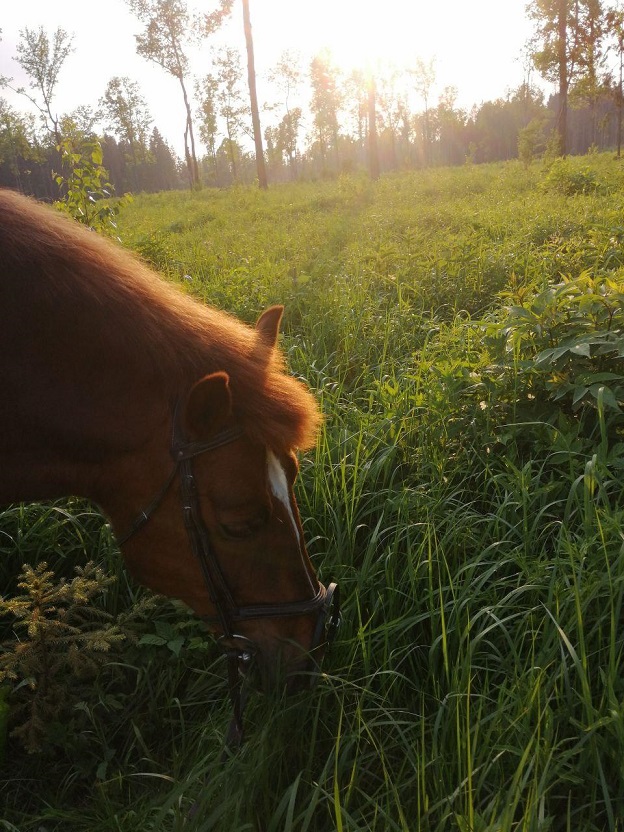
[224, 535]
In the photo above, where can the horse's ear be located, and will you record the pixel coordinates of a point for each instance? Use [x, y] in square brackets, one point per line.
[209, 406]
[268, 325]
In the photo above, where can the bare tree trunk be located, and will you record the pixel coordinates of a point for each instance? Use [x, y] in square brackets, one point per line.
[562, 124]
[253, 98]
[191, 158]
[373, 150]
[619, 101]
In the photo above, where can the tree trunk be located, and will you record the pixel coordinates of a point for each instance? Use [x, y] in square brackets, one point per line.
[253, 98]
[191, 158]
[562, 123]
[373, 150]
[619, 101]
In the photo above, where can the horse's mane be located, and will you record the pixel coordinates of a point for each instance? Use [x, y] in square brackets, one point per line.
[181, 338]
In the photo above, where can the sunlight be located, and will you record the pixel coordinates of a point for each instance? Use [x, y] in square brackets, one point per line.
[362, 34]
[475, 47]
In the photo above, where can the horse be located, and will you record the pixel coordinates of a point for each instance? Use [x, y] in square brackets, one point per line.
[179, 421]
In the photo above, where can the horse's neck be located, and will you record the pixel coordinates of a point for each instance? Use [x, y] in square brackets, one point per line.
[69, 411]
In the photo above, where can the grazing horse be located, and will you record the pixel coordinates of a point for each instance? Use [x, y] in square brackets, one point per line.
[175, 418]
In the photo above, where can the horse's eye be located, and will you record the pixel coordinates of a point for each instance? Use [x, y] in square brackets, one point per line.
[242, 529]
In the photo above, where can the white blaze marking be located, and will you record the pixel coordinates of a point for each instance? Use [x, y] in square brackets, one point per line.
[281, 492]
[279, 488]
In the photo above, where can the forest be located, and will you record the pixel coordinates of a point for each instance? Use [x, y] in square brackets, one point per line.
[320, 122]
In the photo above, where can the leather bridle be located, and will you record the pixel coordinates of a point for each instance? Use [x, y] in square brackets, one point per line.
[239, 650]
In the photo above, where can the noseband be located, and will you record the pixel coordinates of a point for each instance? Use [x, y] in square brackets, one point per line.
[238, 649]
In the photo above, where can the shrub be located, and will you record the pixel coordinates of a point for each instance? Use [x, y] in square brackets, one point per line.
[566, 178]
[62, 639]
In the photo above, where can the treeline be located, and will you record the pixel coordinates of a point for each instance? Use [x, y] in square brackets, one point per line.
[318, 122]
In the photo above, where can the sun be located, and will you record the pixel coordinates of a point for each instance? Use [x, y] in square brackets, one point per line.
[366, 35]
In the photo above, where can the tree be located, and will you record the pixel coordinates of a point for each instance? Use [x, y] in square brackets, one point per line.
[390, 99]
[127, 116]
[565, 49]
[588, 86]
[167, 29]
[253, 98]
[126, 112]
[424, 79]
[206, 91]
[42, 59]
[231, 103]
[81, 121]
[287, 78]
[615, 25]
[450, 129]
[288, 135]
[551, 54]
[325, 103]
[373, 150]
[16, 151]
[355, 103]
[281, 142]
[165, 169]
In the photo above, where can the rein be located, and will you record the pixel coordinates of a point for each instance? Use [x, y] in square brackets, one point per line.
[238, 649]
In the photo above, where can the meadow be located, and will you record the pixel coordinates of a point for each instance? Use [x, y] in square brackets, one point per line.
[463, 330]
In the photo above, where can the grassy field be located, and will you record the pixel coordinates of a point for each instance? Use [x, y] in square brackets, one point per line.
[464, 333]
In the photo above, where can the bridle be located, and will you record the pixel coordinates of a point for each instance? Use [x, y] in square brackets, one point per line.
[239, 650]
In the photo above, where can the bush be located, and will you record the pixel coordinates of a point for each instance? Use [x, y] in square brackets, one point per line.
[62, 640]
[566, 178]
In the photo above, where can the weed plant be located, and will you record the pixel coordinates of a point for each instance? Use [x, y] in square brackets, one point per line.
[462, 330]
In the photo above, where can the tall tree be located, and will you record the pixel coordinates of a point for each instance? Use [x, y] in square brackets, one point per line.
[424, 79]
[16, 152]
[615, 25]
[390, 97]
[286, 76]
[42, 58]
[588, 86]
[127, 115]
[355, 91]
[165, 174]
[232, 108]
[168, 28]
[557, 48]
[373, 149]
[253, 98]
[325, 103]
[206, 92]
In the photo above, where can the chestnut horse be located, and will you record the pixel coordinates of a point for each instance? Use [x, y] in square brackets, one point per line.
[175, 418]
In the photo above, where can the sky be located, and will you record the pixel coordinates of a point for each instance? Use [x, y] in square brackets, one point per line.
[476, 46]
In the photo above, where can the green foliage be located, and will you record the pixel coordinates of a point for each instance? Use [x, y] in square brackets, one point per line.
[566, 341]
[566, 177]
[531, 141]
[61, 640]
[86, 184]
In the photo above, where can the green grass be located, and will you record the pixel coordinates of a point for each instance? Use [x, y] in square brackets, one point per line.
[475, 528]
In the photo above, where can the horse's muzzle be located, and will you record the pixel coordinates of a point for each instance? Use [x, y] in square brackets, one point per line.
[328, 621]
[307, 676]
[264, 670]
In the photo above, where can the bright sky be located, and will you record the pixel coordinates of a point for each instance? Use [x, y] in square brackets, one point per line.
[476, 45]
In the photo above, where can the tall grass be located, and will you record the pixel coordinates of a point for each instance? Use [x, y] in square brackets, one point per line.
[477, 682]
